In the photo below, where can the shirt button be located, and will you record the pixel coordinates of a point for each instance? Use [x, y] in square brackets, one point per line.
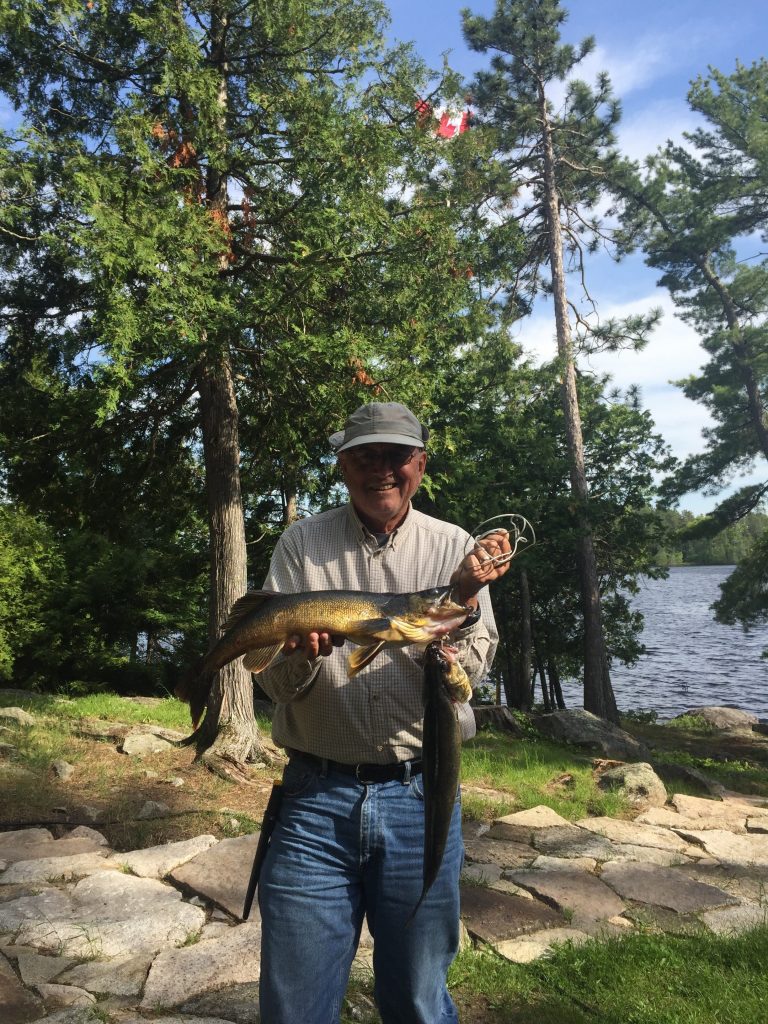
[380, 747]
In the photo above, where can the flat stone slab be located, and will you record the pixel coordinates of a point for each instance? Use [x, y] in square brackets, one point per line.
[661, 919]
[648, 855]
[238, 1003]
[18, 1004]
[108, 914]
[158, 861]
[57, 996]
[527, 948]
[46, 848]
[571, 889]
[121, 976]
[663, 887]
[740, 850]
[220, 874]
[494, 916]
[36, 969]
[570, 841]
[179, 975]
[698, 807]
[481, 874]
[174, 1018]
[499, 851]
[544, 863]
[45, 869]
[734, 920]
[633, 833]
[522, 825]
[665, 817]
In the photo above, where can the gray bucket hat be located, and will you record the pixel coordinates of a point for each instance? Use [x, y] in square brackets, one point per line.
[380, 423]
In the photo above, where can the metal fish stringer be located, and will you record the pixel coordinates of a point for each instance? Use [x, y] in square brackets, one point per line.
[521, 534]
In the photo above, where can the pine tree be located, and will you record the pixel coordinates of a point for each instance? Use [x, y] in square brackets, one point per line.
[557, 162]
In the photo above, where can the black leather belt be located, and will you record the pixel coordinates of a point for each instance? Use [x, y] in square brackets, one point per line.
[401, 771]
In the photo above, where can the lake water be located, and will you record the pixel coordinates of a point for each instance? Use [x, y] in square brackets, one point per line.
[691, 660]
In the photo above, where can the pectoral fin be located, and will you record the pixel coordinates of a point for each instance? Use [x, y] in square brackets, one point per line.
[409, 631]
[361, 657]
[261, 657]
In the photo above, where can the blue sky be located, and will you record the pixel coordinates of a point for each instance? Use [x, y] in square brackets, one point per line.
[652, 51]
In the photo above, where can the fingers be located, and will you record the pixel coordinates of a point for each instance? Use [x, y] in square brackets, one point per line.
[313, 645]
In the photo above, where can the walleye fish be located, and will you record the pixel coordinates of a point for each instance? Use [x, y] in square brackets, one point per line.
[261, 621]
[440, 755]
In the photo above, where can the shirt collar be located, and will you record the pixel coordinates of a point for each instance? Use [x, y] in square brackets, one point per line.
[364, 535]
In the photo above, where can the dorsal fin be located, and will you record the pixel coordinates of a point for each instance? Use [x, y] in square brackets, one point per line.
[249, 602]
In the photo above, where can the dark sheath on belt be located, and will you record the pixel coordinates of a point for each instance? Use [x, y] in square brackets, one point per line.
[267, 827]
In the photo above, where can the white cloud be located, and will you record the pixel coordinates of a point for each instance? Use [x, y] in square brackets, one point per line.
[642, 133]
[672, 353]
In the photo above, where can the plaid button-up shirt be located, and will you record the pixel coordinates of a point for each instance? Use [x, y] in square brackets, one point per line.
[375, 717]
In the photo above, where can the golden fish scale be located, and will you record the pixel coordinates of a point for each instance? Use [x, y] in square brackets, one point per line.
[335, 614]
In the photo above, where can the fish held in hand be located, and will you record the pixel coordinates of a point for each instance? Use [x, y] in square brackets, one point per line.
[440, 756]
[261, 622]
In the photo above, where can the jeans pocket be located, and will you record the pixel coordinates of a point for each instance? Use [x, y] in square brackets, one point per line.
[298, 779]
[416, 788]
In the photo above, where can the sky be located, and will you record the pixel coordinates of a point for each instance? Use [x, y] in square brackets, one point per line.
[652, 51]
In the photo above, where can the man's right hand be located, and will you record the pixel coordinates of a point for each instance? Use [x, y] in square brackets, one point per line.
[313, 645]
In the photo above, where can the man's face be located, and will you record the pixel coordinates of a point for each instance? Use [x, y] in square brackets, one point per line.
[382, 479]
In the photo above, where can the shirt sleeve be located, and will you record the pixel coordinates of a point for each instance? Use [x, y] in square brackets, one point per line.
[288, 677]
[477, 643]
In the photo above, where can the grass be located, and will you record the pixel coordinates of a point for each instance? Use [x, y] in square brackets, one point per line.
[531, 771]
[639, 979]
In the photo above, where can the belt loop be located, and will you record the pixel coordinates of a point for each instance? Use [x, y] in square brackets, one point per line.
[323, 767]
[407, 773]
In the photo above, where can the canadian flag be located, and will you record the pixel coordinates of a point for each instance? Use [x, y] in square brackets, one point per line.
[450, 122]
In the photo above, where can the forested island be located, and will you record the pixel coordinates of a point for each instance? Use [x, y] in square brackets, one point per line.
[691, 544]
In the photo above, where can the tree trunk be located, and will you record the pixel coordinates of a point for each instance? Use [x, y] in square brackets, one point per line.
[229, 735]
[526, 677]
[554, 681]
[598, 692]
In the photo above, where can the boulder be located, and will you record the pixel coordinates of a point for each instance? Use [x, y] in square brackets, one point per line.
[18, 715]
[496, 716]
[583, 729]
[637, 783]
[723, 717]
[143, 743]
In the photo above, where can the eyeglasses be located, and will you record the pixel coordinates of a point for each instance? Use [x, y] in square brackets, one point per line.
[395, 456]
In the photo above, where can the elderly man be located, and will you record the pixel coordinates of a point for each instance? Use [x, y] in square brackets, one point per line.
[349, 840]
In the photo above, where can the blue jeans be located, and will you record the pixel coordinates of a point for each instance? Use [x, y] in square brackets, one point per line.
[340, 850]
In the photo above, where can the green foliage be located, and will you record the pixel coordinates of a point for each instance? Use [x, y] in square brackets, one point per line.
[30, 566]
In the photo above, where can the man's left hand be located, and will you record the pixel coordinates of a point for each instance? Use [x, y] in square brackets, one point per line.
[477, 568]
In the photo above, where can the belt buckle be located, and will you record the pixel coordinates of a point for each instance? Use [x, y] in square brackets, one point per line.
[357, 775]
